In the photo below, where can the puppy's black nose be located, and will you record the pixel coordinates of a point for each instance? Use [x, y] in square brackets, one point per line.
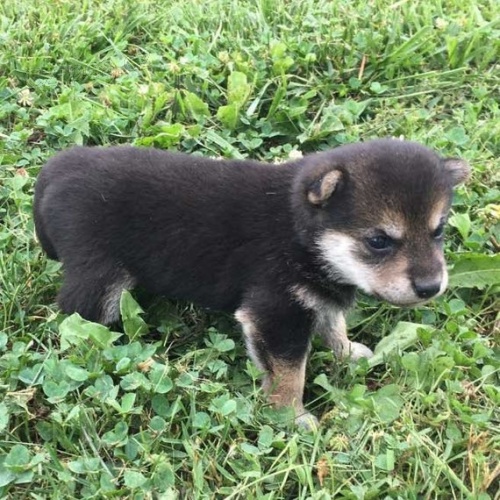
[426, 289]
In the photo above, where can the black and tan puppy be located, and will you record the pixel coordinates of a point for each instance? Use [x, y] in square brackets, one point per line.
[284, 247]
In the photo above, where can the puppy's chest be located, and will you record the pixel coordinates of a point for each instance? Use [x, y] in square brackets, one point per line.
[327, 313]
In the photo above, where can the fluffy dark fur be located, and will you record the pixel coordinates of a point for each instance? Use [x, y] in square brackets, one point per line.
[232, 235]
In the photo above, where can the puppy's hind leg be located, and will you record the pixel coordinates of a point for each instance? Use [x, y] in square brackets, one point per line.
[94, 294]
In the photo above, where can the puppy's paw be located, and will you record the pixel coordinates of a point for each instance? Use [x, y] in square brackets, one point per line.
[308, 422]
[358, 351]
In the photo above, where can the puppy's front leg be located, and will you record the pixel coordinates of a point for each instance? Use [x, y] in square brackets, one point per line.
[280, 349]
[334, 333]
[329, 322]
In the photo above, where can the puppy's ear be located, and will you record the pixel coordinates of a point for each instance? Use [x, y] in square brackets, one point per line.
[458, 170]
[322, 188]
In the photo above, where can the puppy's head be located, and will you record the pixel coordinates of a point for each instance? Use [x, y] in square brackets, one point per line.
[374, 215]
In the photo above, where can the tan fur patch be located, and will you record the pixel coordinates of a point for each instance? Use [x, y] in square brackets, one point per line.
[393, 224]
[459, 170]
[437, 213]
[251, 335]
[393, 274]
[285, 384]
[328, 184]
[329, 321]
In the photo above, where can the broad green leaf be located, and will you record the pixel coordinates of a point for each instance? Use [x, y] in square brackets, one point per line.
[388, 403]
[6, 476]
[385, 461]
[157, 424]
[165, 136]
[75, 331]
[4, 417]
[128, 401]
[223, 143]
[160, 379]
[228, 116]
[160, 405]
[118, 436]
[163, 478]
[462, 222]
[475, 271]
[280, 66]
[228, 407]
[250, 449]
[322, 381]
[197, 108]
[377, 88]
[278, 50]
[403, 336]
[133, 381]
[76, 372]
[32, 375]
[201, 420]
[18, 458]
[133, 479]
[85, 465]
[457, 135]
[266, 436]
[130, 312]
[123, 365]
[238, 89]
[3, 340]
[225, 345]
[411, 361]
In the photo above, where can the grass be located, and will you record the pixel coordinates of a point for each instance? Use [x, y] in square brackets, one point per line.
[170, 407]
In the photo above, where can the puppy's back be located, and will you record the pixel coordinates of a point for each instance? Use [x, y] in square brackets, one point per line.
[175, 222]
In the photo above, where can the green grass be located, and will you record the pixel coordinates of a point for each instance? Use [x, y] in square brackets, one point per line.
[172, 408]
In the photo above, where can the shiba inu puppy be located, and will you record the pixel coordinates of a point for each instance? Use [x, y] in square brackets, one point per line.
[283, 247]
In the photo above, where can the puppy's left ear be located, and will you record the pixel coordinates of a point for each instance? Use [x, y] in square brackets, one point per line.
[321, 189]
[458, 170]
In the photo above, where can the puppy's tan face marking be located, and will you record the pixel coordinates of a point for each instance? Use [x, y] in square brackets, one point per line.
[393, 225]
[438, 215]
[398, 259]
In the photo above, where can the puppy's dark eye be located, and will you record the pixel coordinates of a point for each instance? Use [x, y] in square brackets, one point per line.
[380, 242]
[439, 231]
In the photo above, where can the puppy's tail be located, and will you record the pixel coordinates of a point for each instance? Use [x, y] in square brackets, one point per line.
[41, 233]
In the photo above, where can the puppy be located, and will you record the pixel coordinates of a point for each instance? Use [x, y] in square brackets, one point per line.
[284, 247]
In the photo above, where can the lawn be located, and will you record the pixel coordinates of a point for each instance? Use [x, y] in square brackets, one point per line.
[170, 407]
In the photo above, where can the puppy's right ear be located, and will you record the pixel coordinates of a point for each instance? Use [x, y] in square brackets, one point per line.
[458, 170]
[322, 188]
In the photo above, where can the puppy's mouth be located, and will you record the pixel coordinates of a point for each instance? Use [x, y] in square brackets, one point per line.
[402, 302]
[409, 304]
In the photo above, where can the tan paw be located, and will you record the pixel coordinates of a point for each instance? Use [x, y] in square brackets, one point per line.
[356, 350]
[308, 422]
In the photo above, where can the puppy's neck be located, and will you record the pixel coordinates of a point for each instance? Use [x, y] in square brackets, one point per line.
[313, 275]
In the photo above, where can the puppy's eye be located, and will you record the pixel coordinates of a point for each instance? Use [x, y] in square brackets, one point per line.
[439, 231]
[380, 242]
